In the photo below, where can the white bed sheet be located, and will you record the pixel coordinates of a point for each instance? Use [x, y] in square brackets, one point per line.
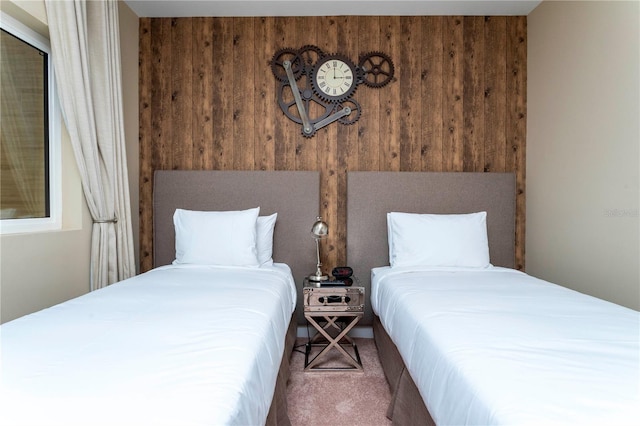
[497, 346]
[178, 345]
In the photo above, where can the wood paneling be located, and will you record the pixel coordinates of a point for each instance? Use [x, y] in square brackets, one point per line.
[202, 129]
[146, 140]
[453, 87]
[517, 120]
[457, 103]
[431, 94]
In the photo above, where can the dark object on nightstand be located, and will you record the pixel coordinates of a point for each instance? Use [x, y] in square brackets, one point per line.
[341, 272]
[342, 276]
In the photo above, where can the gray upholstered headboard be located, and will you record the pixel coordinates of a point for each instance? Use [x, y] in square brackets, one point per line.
[295, 196]
[371, 195]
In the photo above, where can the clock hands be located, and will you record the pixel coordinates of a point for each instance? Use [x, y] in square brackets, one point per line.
[306, 124]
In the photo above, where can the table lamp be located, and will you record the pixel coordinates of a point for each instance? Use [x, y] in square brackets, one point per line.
[320, 231]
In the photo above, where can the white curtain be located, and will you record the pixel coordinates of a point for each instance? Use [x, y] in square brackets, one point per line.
[85, 48]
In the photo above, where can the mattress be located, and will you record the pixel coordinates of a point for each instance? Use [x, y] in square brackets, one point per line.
[187, 345]
[497, 346]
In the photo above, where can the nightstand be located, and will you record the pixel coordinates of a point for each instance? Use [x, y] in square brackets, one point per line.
[326, 308]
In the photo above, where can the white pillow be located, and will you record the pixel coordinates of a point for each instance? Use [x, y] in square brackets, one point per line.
[226, 238]
[264, 239]
[438, 239]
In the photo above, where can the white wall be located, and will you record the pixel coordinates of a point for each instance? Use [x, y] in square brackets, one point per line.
[42, 269]
[583, 147]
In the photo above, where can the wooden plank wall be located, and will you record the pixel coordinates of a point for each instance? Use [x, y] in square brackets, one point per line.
[208, 102]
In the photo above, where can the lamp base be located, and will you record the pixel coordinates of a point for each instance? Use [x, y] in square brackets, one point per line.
[317, 278]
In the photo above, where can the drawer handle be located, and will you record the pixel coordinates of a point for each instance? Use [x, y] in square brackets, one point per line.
[334, 299]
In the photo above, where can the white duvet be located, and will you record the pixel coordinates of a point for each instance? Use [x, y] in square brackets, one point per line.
[497, 346]
[178, 345]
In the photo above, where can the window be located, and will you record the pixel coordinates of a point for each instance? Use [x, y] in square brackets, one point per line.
[30, 138]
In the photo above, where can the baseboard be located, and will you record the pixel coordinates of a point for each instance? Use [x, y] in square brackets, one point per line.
[364, 332]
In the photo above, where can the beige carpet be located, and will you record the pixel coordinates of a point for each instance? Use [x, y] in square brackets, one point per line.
[339, 398]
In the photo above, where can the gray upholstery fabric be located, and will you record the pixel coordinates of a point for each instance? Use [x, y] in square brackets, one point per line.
[371, 195]
[295, 196]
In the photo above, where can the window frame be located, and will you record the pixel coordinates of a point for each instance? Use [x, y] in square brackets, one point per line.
[54, 221]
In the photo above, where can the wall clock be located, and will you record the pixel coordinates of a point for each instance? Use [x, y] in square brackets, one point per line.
[316, 89]
[334, 78]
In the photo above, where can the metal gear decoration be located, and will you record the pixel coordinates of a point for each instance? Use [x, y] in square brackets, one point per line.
[300, 76]
[316, 108]
[378, 69]
[277, 64]
[360, 75]
[354, 116]
[310, 54]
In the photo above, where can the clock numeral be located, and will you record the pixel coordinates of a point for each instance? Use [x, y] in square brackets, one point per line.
[334, 78]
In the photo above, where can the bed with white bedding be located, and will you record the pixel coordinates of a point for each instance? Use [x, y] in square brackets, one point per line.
[463, 338]
[204, 338]
[178, 345]
[497, 346]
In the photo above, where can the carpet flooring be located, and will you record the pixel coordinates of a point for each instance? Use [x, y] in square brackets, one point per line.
[338, 398]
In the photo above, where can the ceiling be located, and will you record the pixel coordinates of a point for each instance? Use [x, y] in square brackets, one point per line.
[175, 8]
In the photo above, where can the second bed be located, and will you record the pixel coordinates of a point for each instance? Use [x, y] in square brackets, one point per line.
[465, 339]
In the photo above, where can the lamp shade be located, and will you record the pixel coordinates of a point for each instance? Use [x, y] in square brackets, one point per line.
[320, 229]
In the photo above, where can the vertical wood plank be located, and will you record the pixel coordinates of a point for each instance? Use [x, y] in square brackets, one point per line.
[306, 151]
[410, 113]
[279, 119]
[161, 93]
[145, 144]
[161, 123]
[347, 139]
[288, 133]
[222, 88]
[517, 123]
[265, 108]
[369, 124]
[453, 121]
[327, 157]
[390, 98]
[431, 93]
[202, 90]
[181, 99]
[495, 94]
[243, 93]
[473, 138]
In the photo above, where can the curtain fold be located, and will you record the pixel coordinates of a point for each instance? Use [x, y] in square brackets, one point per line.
[85, 48]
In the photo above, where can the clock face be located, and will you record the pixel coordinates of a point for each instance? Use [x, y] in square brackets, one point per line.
[334, 78]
